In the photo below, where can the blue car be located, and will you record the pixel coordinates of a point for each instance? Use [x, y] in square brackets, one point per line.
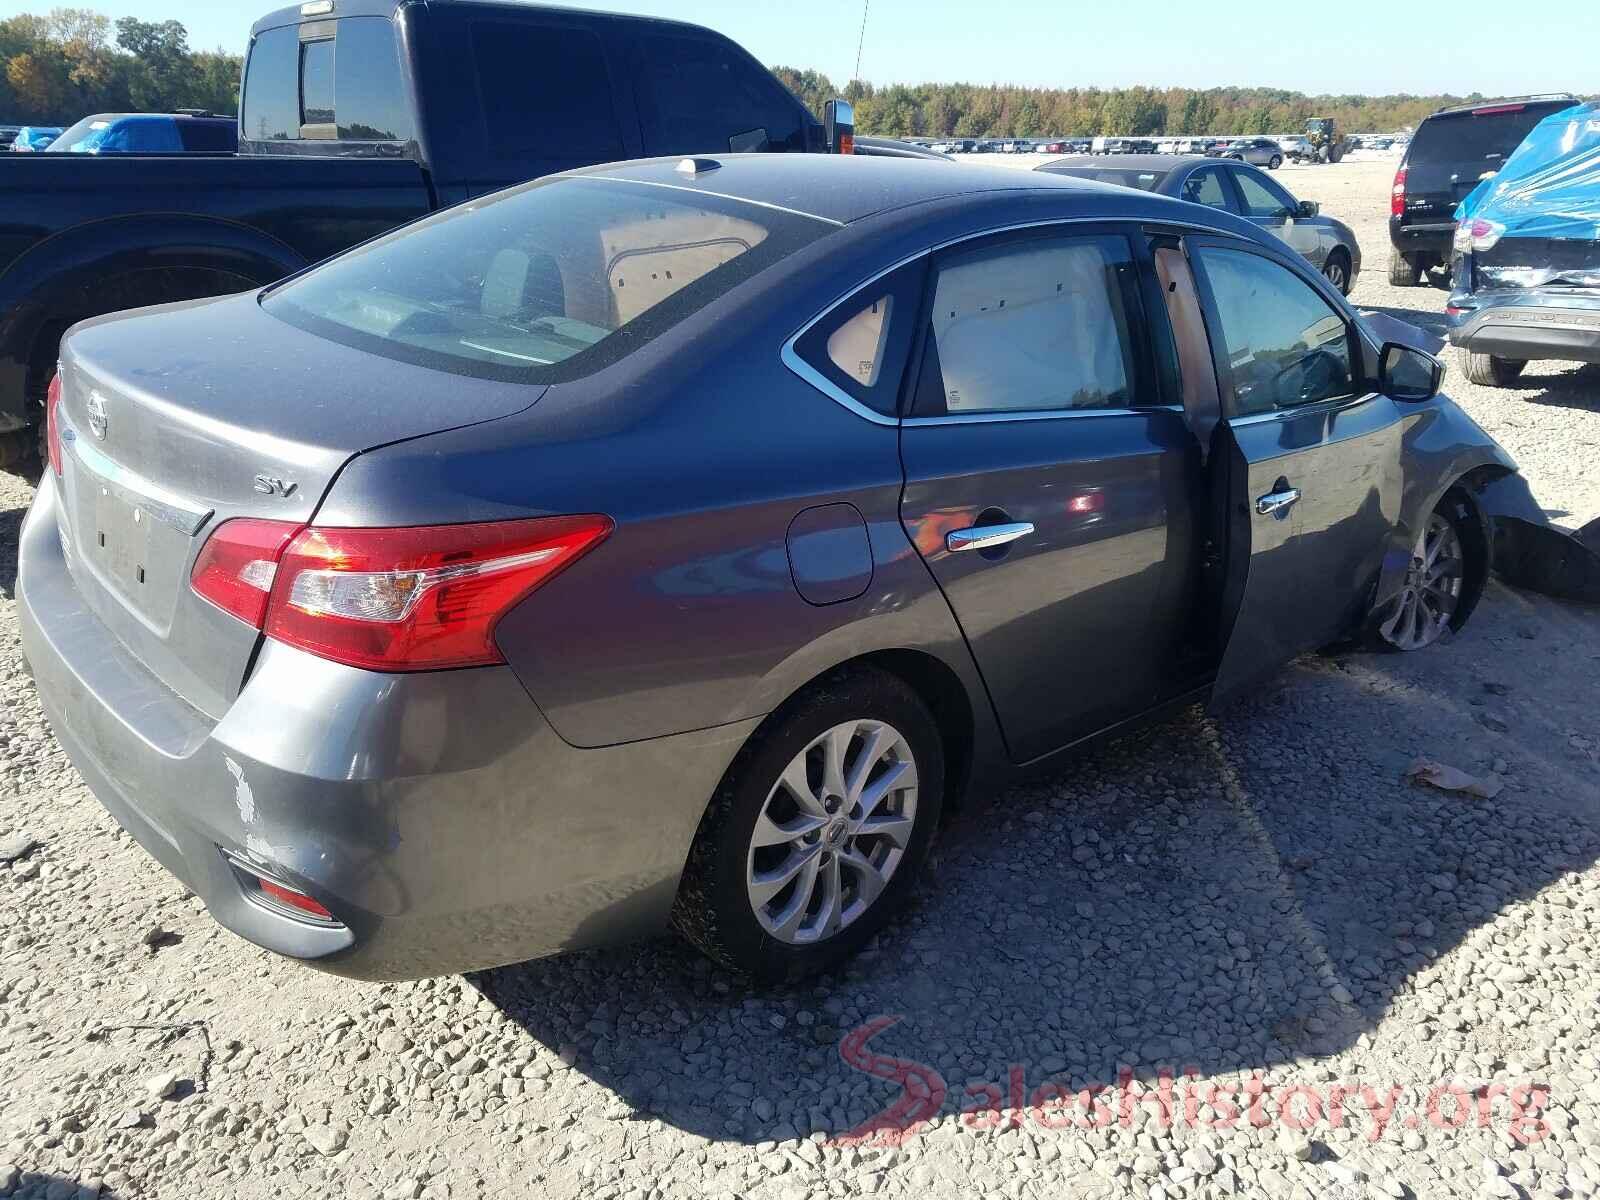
[150, 133]
[31, 138]
[1527, 254]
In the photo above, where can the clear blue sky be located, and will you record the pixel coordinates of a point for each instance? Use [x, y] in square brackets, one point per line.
[1333, 46]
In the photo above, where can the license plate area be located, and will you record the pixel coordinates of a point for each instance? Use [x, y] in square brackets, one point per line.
[121, 542]
[131, 537]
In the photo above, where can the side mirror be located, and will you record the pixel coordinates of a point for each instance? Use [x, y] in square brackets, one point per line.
[1307, 208]
[839, 126]
[1408, 374]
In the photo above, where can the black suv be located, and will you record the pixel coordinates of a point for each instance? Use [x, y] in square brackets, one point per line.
[1450, 152]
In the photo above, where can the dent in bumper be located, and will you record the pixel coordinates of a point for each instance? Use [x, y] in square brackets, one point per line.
[435, 814]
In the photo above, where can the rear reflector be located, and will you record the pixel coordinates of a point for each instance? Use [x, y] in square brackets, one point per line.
[236, 566]
[52, 423]
[298, 901]
[418, 598]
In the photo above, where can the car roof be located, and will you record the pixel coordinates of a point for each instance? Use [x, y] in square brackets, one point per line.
[1552, 98]
[1163, 163]
[292, 15]
[843, 189]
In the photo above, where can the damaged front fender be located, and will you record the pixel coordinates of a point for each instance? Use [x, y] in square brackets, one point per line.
[1530, 552]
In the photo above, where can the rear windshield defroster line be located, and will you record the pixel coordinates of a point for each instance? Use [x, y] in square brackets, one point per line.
[545, 282]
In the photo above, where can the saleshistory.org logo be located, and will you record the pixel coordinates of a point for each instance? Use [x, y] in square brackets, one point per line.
[1448, 1105]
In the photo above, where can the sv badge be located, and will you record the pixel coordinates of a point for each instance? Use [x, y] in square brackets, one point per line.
[271, 485]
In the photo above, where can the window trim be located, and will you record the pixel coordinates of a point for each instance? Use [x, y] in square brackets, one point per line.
[800, 367]
[1361, 390]
[1233, 203]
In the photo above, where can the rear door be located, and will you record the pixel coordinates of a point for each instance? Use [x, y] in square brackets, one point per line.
[1046, 482]
[1314, 477]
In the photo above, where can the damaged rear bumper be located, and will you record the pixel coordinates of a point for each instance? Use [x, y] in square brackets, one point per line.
[1528, 326]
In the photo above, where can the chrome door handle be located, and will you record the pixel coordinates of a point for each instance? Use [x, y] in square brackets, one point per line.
[1278, 502]
[982, 537]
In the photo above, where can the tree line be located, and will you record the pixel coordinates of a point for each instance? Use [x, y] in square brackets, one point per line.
[998, 110]
[72, 62]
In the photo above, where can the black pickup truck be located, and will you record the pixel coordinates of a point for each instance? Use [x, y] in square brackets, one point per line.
[357, 116]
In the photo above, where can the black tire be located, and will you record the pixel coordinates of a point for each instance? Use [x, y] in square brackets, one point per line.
[713, 909]
[1489, 371]
[1337, 270]
[1404, 270]
[1274, 162]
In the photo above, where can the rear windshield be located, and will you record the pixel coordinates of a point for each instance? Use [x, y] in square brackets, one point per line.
[1145, 181]
[546, 282]
[1469, 138]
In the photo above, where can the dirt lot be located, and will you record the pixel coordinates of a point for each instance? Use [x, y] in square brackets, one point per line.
[1392, 990]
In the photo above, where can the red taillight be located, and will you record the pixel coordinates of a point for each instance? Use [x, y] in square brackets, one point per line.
[52, 423]
[1397, 196]
[237, 564]
[290, 898]
[1489, 110]
[419, 598]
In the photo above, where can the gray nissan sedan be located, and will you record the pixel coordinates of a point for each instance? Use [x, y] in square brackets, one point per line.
[675, 542]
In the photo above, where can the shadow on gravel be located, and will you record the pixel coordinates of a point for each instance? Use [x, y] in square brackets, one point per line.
[1574, 389]
[38, 1186]
[1224, 893]
[10, 530]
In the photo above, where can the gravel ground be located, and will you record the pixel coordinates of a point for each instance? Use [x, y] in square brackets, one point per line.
[1257, 901]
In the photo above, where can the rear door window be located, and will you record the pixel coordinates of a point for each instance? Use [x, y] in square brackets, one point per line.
[547, 95]
[1034, 325]
[701, 95]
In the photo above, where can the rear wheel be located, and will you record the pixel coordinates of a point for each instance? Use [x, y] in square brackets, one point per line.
[1337, 269]
[1274, 162]
[815, 837]
[1490, 371]
[1404, 270]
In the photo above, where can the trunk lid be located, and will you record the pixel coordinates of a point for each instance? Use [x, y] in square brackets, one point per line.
[177, 418]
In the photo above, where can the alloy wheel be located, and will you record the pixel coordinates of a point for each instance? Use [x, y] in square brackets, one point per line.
[832, 831]
[1427, 603]
[1335, 272]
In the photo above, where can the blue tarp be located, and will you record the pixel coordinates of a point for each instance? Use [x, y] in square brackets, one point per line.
[1550, 186]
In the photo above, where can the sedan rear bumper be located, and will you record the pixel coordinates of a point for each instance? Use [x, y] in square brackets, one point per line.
[436, 815]
[1529, 326]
